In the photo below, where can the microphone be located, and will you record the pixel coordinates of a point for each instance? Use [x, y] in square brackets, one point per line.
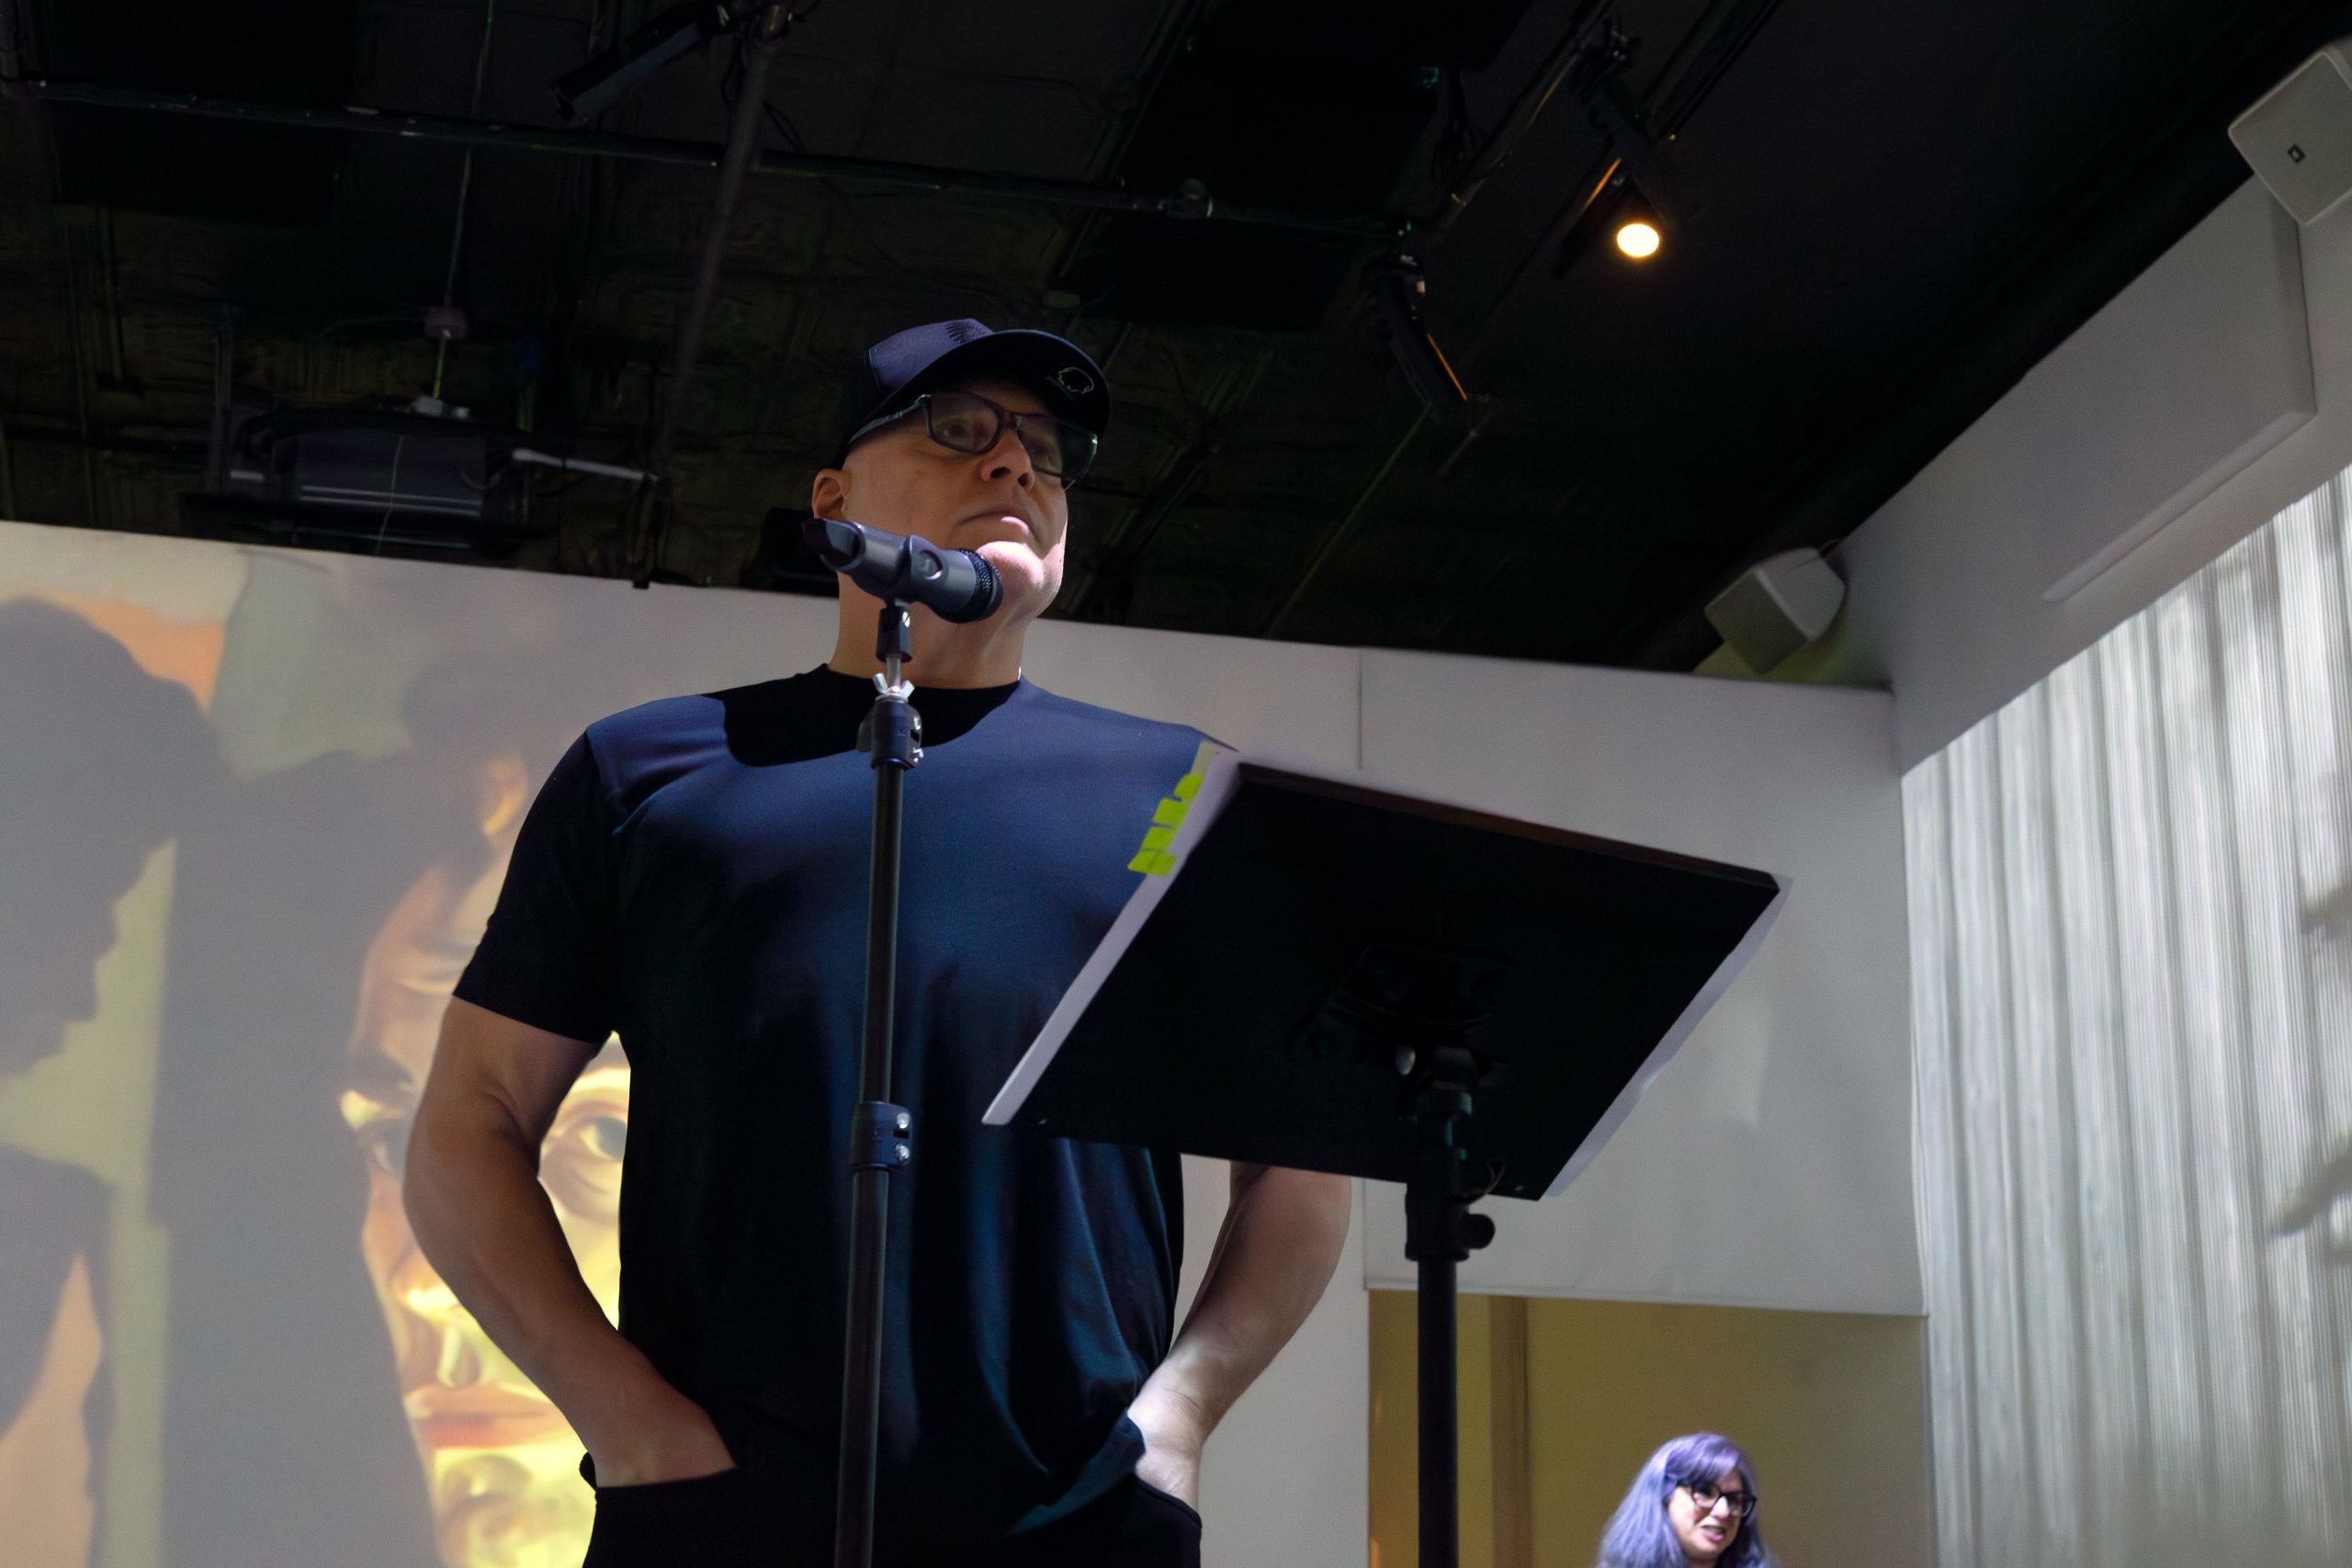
[957, 585]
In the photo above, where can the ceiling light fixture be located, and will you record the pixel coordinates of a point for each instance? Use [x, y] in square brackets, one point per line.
[1635, 224]
[1637, 202]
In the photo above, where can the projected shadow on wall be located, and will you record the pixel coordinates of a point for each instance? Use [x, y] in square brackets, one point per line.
[328, 1401]
[294, 1386]
[101, 763]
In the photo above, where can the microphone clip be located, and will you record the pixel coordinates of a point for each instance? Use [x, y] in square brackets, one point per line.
[891, 731]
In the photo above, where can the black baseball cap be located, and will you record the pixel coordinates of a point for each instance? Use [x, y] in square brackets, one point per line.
[906, 364]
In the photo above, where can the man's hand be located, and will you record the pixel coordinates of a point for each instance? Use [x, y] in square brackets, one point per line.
[1281, 1241]
[676, 1442]
[479, 1214]
[1173, 1438]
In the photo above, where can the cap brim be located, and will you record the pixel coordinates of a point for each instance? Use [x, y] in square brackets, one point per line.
[1063, 375]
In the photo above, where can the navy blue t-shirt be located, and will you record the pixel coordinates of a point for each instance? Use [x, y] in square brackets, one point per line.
[693, 876]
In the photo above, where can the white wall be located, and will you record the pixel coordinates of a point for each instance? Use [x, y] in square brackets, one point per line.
[1769, 1164]
[2183, 392]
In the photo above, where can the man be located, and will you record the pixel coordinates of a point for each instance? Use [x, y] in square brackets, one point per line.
[694, 874]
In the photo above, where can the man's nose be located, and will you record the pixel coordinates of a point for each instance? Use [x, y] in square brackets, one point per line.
[1008, 456]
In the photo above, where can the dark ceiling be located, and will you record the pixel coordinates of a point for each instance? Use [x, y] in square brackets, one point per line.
[1879, 216]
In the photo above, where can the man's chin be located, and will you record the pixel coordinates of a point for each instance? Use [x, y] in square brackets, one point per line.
[1006, 550]
[1030, 581]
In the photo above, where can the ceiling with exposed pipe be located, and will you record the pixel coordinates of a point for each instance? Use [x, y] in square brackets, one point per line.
[224, 223]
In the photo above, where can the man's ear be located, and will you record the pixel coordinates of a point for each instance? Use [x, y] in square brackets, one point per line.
[829, 495]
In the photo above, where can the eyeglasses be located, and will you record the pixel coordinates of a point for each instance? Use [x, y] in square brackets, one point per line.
[967, 422]
[1706, 1495]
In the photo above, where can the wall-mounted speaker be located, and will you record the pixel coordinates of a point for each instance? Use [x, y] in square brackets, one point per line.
[1777, 606]
[2298, 137]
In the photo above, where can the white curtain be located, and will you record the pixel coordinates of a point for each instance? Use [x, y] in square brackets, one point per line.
[2131, 939]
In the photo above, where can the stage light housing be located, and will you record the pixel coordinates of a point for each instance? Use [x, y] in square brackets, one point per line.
[1397, 293]
[1621, 221]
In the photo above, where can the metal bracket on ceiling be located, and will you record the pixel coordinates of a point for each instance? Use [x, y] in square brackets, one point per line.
[1399, 292]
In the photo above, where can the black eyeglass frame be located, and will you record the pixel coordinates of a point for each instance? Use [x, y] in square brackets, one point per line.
[1091, 441]
[1713, 1494]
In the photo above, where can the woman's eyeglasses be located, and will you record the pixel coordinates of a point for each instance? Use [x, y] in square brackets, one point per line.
[1705, 1495]
[967, 422]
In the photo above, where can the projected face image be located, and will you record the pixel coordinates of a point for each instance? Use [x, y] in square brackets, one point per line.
[500, 1461]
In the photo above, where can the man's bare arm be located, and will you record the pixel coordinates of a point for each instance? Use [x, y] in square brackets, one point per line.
[475, 1202]
[1274, 1255]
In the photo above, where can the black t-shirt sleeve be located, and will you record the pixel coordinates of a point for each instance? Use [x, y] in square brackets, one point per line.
[548, 956]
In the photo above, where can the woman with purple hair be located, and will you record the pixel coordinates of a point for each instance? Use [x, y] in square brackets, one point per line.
[1693, 1506]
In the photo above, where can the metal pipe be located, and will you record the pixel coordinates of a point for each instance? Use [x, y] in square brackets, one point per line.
[81, 381]
[1533, 100]
[107, 292]
[224, 393]
[701, 155]
[531, 457]
[41, 432]
[1167, 44]
[763, 40]
[464, 190]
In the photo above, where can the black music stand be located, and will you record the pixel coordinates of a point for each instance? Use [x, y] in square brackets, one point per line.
[1329, 977]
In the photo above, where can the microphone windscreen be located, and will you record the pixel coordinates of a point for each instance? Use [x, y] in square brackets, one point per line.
[988, 591]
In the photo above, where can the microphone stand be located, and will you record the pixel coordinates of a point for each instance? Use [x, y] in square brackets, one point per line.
[881, 1136]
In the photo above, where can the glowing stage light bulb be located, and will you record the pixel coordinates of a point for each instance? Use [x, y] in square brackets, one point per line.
[1638, 239]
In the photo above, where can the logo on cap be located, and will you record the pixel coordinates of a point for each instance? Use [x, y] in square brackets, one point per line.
[1074, 381]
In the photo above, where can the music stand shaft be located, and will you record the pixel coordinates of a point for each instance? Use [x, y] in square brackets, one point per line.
[1441, 1232]
[1440, 1524]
